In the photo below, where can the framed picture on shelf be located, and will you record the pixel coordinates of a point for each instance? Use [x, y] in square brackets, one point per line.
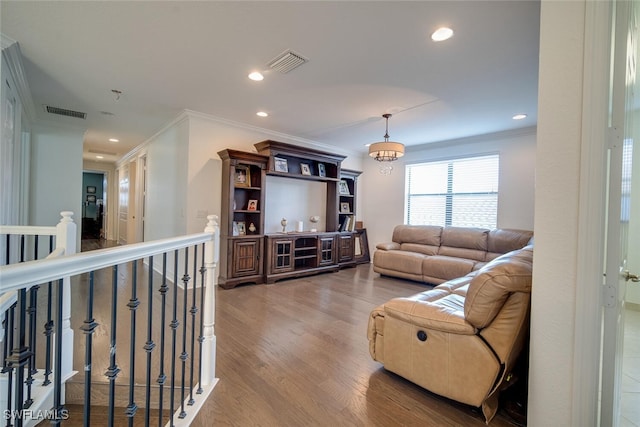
[305, 169]
[91, 189]
[242, 176]
[252, 205]
[242, 229]
[91, 198]
[280, 165]
[321, 170]
[343, 188]
[344, 207]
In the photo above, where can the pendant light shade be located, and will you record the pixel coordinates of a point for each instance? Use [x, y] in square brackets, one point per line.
[386, 151]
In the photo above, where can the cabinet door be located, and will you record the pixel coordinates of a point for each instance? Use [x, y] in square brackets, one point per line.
[327, 250]
[246, 257]
[345, 247]
[281, 257]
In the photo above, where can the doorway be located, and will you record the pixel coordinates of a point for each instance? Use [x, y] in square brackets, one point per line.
[93, 205]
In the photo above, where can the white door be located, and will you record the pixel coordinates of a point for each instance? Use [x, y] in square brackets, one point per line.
[623, 93]
[123, 204]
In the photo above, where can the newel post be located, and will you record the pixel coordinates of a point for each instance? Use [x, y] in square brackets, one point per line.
[211, 258]
[66, 232]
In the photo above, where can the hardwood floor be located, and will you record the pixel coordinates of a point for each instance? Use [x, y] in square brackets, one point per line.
[295, 353]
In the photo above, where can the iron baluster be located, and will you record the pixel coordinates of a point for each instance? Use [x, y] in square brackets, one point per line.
[201, 337]
[113, 370]
[161, 375]
[20, 354]
[184, 356]
[174, 329]
[48, 331]
[149, 346]
[88, 328]
[57, 374]
[133, 304]
[31, 364]
[193, 311]
[48, 327]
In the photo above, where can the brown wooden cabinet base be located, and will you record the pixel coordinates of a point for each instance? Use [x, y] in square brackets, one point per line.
[303, 254]
[243, 262]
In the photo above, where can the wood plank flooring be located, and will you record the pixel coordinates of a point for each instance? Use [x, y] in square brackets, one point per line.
[295, 353]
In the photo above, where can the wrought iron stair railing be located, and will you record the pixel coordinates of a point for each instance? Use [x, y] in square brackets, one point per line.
[171, 286]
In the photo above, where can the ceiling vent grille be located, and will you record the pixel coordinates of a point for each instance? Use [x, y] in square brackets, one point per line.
[64, 112]
[287, 61]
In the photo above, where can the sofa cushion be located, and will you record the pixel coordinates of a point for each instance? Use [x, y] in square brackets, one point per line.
[465, 237]
[493, 284]
[421, 249]
[406, 262]
[446, 268]
[420, 234]
[436, 310]
[503, 240]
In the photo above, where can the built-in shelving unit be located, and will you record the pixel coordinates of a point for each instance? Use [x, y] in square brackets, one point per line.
[243, 239]
[242, 218]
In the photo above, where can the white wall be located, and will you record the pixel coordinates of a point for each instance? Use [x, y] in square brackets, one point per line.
[56, 174]
[552, 386]
[296, 200]
[383, 196]
[166, 203]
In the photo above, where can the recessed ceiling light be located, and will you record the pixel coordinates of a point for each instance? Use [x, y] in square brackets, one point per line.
[441, 34]
[519, 117]
[256, 76]
[262, 114]
[114, 140]
[99, 157]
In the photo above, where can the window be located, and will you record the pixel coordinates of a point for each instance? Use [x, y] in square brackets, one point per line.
[458, 192]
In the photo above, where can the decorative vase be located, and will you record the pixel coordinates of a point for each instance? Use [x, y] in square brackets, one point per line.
[252, 227]
[283, 223]
[314, 220]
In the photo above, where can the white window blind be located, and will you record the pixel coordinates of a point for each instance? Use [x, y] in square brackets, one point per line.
[458, 192]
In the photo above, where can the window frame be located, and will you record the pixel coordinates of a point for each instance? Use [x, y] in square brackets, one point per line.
[450, 194]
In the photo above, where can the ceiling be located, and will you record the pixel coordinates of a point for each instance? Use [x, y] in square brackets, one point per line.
[365, 58]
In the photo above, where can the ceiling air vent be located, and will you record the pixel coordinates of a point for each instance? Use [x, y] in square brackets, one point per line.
[287, 61]
[64, 112]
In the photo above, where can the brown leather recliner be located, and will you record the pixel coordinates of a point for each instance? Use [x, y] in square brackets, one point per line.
[462, 338]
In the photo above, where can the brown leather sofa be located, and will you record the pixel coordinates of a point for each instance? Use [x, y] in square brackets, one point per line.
[434, 254]
[460, 339]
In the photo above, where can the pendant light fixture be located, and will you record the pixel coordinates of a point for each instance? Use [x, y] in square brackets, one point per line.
[386, 151]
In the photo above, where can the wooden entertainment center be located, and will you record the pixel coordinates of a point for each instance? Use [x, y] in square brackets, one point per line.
[243, 240]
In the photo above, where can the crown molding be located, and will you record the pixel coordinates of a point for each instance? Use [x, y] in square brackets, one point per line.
[277, 135]
[141, 148]
[13, 56]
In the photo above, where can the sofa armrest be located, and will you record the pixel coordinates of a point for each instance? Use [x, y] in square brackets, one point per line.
[445, 314]
[390, 246]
